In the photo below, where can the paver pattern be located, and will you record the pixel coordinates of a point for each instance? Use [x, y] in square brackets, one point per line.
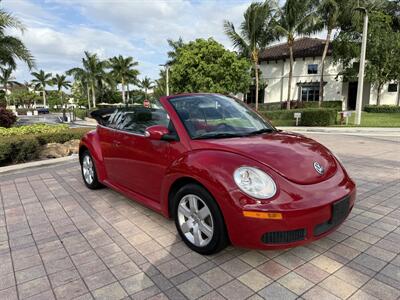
[61, 240]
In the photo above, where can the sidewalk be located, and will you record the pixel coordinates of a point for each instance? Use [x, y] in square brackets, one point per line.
[377, 131]
[88, 122]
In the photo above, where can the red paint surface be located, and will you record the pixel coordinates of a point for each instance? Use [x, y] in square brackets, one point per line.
[145, 169]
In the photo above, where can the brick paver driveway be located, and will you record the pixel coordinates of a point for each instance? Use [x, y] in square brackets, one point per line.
[60, 240]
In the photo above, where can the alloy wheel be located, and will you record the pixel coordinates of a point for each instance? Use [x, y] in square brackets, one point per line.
[88, 170]
[195, 220]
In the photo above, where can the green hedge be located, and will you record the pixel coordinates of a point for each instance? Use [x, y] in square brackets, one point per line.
[22, 148]
[81, 113]
[34, 129]
[18, 149]
[336, 104]
[382, 108]
[309, 116]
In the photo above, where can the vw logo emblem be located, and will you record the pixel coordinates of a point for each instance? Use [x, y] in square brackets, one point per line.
[318, 168]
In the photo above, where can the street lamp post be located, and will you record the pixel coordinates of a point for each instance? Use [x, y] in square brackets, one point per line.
[362, 67]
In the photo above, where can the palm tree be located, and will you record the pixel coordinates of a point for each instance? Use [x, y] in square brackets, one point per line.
[295, 18]
[146, 84]
[132, 79]
[12, 48]
[60, 81]
[122, 70]
[41, 80]
[255, 34]
[94, 68]
[81, 77]
[6, 80]
[329, 14]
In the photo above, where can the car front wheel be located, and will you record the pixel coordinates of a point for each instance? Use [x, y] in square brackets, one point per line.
[199, 221]
[89, 174]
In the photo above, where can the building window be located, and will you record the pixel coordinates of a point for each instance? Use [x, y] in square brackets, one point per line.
[312, 69]
[392, 88]
[310, 93]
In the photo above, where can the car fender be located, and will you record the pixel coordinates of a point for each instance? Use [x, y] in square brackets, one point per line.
[213, 169]
[91, 141]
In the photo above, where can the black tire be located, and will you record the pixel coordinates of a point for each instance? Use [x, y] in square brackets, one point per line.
[94, 184]
[219, 238]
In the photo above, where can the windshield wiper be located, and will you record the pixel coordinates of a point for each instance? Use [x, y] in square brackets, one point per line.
[217, 135]
[264, 130]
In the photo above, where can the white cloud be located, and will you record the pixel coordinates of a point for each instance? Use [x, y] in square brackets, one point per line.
[59, 31]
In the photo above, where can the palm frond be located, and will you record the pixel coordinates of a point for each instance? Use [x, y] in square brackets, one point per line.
[237, 41]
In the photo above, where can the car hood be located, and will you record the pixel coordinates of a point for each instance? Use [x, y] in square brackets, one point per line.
[290, 155]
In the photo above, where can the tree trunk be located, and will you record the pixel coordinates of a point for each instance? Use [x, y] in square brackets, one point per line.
[256, 75]
[123, 91]
[44, 97]
[5, 95]
[128, 92]
[63, 107]
[321, 81]
[290, 75]
[93, 96]
[88, 95]
[378, 96]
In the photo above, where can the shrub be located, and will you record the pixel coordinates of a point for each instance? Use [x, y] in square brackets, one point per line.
[32, 129]
[23, 111]
[21, 147]
[318, 117]
[382, 108]
[309, 116]
[7, 118]
[81, 113]
[18, 149]
[62, 136]
[337, 104]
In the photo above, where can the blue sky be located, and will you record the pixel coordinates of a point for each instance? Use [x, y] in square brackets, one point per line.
[59, 31]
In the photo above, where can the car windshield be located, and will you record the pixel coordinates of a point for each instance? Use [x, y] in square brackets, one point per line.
[217, 116]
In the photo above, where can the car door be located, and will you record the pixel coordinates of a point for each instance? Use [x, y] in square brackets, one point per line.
[106, 133]
[142, 162]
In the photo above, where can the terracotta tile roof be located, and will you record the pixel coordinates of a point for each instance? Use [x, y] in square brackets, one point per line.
[303, 47]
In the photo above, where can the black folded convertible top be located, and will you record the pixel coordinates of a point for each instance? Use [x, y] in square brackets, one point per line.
[102, 115]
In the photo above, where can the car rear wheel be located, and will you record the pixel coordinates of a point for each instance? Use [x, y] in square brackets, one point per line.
[89, 174]
[198, 220]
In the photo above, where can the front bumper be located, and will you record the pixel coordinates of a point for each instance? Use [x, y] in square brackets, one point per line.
[306, 216]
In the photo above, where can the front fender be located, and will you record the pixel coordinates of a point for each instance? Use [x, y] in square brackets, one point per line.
[214, 170]
[91, 141]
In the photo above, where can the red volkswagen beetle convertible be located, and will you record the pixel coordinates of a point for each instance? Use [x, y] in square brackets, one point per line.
[220, 170]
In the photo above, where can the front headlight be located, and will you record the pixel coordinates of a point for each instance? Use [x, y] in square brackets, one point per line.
[254, 182]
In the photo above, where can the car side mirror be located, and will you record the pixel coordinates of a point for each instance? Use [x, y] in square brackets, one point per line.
[160, 132]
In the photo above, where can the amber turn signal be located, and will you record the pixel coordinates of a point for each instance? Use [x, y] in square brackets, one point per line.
[262, 215]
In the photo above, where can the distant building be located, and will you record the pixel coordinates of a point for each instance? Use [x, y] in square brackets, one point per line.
[274, 64]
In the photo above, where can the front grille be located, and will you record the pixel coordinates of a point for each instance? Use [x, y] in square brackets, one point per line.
[284, 237]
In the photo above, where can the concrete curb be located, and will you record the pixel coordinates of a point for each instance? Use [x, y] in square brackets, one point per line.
[36, 164]
[371, 131]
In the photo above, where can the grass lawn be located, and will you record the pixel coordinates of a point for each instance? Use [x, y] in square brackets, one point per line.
[367, 120]
[376, 120]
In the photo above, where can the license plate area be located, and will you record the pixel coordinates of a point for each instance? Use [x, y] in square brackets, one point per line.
[340, 210]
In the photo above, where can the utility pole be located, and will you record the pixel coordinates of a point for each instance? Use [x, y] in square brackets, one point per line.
[360, 87]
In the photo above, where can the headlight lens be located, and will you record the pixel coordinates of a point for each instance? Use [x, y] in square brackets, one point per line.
[255, 182]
